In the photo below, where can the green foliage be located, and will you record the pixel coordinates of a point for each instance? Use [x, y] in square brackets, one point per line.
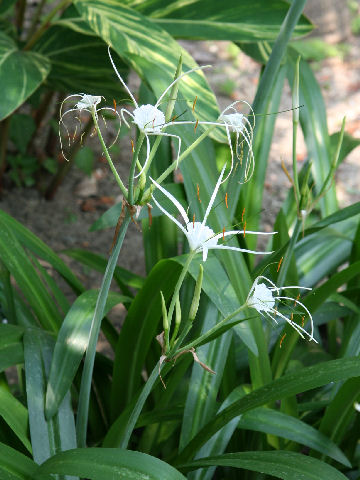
[219, 379]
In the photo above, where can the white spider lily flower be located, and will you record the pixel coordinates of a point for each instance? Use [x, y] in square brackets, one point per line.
[237, 123]
[263, 297]
[87, 103]
[202, 238]
[149, 118]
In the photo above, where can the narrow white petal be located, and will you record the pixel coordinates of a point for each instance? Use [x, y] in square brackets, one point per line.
[121, 80]
[225, 247]
[170, 216]
[174, 201]
[177, 79]
[213, 196]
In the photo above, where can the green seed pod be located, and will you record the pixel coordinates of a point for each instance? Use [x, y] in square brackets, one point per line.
[197, 292]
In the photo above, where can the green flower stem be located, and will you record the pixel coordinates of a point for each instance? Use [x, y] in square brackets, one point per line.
[84, 395]
[133, 417]
[175, 296]
[206, 335]
[173, 166]
[289, 253]
[108, 158]
[45, 24]
[295, 104]
[134, 162]
[334, 163]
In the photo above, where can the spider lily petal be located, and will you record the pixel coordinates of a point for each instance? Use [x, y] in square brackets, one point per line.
[149, 118]
[87, 103]
[201, 237]
[261, 297]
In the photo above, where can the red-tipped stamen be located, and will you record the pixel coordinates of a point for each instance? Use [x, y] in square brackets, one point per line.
[292, 317]
[196, 124]
[279, 264]
[132, 146]
[174, 118]
[193, 107]
[302, 321]
[194, 220]
[297, 298]
[282, 339]
[198, 192]
[226, 199]
[244, 228]
[114, 103]
[242, 215]
[223, 234]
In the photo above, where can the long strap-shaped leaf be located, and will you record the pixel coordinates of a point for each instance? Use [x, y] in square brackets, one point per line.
[109, 463]
[14, 465]
[84, 396]
[280, 464]
[57, 434]
[290, 384]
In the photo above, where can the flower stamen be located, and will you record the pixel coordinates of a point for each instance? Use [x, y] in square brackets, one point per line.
[196, 124]
[198, 192]
[279, 264]
[223, 230]
[282, 339]
[244, 228]
[226, 200]
[242, 215]
[194, 103]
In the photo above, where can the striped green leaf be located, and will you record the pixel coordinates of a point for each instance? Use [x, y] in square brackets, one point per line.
[150, 50]
[21, 73]
[203, 19]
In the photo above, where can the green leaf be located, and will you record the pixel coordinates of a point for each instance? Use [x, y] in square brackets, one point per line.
[314, 126]
[289, 384]
[17, 262]
[277, 423]
[84, 160]
[79, 63]
[201, 398]
[71, 344]
[204, 20]
[340, 411]
[37, 246]
[138, 331]
[150, 50]
[21, 73]
[57, 434]
[22, 128]
[11, 346]
[348, 144]
[14, 465]
[87, 373]
[280, 464]
[15, 415]
[114, 463]
[220, 291]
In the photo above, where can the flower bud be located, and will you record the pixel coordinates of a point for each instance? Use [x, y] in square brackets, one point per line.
[196, 298]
